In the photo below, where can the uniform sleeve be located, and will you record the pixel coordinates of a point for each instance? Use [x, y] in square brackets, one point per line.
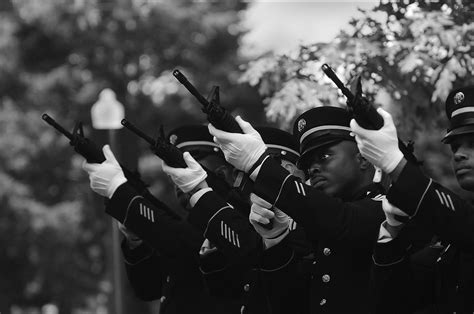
[144, 271]
[434, 207]
[226, 227]
[153, 224]
[322, 216]
[403, 272]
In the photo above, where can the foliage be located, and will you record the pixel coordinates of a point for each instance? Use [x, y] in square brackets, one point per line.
[55, 57]
[410, 55]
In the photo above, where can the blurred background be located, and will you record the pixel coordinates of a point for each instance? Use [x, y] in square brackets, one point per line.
[57, 56]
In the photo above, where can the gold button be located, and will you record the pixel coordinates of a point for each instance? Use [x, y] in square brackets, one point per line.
[162, 299]
[314, 262]
[323, 301]
[327, 251]
[242, 309]
[326, 278]
[246, 287]
[168, 279]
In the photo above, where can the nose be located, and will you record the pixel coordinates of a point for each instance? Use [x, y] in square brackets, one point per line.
[460, 154]
[314, 169]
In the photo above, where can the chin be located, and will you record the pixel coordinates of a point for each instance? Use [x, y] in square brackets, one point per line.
[466, 184]
[329, 191]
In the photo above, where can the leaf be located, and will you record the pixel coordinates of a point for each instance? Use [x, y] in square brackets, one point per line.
[409, 63]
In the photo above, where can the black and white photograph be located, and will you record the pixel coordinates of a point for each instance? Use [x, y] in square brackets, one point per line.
[236, 157]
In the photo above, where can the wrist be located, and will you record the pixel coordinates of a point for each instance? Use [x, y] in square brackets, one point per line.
[116, 181]
[191, 186]
[395, 158]
[398, 170]
[394, 229]
[195, 197]
[201, 185]
[261, 153]
[269, 242]
[257, 165]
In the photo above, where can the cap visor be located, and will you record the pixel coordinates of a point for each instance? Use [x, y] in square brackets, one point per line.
[303, 160]
[466, 129]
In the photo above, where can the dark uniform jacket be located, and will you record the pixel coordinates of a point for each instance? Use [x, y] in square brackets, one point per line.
[165, 266]
[232, 270]
[438, 278]
[434, 206]
[341, 233]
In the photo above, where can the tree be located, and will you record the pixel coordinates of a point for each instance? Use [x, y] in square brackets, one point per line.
[410, 55]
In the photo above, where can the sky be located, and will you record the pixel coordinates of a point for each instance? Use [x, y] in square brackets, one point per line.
[281, 25]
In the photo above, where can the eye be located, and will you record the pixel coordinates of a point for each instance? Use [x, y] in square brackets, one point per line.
[454, 147]
[324, 157]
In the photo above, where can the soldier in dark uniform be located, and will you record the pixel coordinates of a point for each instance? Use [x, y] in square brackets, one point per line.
[340, 213]
[235, 272]
[162, 259]
[439, 278]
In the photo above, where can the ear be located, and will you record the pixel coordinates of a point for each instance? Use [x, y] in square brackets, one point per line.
[294, 170]
[363, 163]
[290, 167]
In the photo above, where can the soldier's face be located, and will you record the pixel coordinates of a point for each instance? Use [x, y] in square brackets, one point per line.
[462, 147]
[219, 166]
[335, 169]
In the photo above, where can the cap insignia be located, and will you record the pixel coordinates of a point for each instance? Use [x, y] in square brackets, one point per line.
[458, 98]
[301, 125]
[173, 139]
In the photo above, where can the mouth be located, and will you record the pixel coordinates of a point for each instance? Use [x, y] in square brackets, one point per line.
[462, 171]
[318, 182]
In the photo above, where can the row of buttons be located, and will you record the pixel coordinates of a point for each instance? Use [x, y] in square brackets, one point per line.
[163, 298]
[326, 278]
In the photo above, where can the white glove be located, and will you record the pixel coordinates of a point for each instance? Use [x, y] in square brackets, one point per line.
[379, 147]
[106, 177]
[186, 178]
[390, 212]
[240, 150]
[260, 213]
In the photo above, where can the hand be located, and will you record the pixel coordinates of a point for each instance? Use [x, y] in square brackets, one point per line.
[260, 213]
[186, 178]
[379, 147]
[240, 150]
[390, 212]
[106, 177]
